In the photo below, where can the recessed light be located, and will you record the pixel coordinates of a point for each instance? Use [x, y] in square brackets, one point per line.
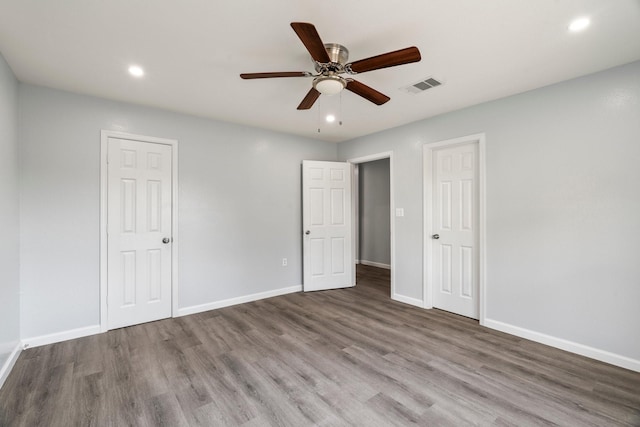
[330, 118]
[579, 24]
[136, 71]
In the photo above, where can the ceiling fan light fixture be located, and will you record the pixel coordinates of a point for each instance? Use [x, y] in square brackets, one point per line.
[329, 85]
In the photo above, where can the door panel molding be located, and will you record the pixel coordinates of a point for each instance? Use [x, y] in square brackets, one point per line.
[427, 179]
[104, 140]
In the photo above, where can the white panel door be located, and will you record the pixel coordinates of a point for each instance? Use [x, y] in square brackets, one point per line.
[455, 229]
[326, 222]
[139, 237]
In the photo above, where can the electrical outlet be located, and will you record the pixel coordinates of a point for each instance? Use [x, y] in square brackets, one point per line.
[284, 262]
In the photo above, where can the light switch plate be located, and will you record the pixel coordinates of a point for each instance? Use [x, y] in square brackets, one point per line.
[399, 211]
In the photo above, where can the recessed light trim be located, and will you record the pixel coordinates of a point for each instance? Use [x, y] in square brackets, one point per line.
[136, 71]
[330, 118]
[579, 24]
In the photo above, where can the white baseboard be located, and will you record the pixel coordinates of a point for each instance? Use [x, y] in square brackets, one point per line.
[407, 300]
[6, 368]
[237, 300]
[375, 264]
[61, 336]
[573, 347]
[95, 329]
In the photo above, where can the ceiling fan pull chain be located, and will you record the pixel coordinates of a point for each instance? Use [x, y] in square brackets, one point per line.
[319, 122]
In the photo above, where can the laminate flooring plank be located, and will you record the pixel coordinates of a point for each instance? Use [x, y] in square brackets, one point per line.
[318, 371]
[352, 412]
[350, 334]
[474, 395]
[445, 392]
[333, 364]
[558, 383]
[89, 356]
[124, 404]
[296, 390]
[555, 406]
[53, 402]
[395, 384]
[273, 407]
[175, 366]
[619, 394]
[163, 411]
[252, 318]
[323, 368]
[194, 326]
[565, 406]
[454, 413]
[290, 315]
[138, 336]
[228, 400]
[451, 388]
[19, 389]
[394, 412]
[89, 401]
[411, 340]
[148, 377]
[518, 364]
[214, 339]
[205, 416]
[225, 333]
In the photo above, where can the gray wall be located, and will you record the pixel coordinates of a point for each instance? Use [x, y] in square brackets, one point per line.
[563, 206]
[239, 213]
[9, 222]
[373, 192]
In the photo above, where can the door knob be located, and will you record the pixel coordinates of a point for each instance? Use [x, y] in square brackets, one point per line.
[436, 236]
[166, 240]
[307, 232]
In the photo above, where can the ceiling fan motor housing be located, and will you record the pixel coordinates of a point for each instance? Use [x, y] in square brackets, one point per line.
[329, 82]
[338, 55]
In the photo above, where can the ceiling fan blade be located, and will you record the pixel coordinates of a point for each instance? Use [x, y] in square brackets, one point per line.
[390, 59]
[309, 99]
[367, 92]
[276, 74]
[311, 40]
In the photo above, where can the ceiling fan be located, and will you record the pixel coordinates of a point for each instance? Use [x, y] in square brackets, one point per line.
[331, 62]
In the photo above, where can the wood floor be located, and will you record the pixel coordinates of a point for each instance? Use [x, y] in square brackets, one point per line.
[331, 358]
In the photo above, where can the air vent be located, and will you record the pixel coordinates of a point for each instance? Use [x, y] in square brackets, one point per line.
[422, 85]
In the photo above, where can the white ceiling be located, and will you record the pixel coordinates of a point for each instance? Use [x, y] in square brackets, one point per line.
[194, 50]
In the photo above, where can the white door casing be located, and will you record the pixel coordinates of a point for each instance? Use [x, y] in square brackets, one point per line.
[453, 226]
[355, 200]
[326, 222]
[139, 224]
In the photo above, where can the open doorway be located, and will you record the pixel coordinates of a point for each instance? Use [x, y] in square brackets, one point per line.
[373, 221]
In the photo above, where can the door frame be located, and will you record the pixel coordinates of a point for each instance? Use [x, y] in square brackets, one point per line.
[354, 212]
[427, 179]
[104, 140]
